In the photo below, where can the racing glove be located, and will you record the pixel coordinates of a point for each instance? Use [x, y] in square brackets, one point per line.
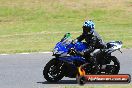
[74, 41]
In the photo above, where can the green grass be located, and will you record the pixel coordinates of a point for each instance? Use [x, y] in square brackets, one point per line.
[101, 86]
[37, 25]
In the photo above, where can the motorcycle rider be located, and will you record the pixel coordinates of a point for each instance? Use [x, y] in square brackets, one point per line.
[93, 41]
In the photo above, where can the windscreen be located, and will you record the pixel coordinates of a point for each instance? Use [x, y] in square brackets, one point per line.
[66, 40]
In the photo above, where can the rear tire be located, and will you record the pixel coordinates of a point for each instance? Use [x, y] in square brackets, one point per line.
[116, 64]
[57, 70]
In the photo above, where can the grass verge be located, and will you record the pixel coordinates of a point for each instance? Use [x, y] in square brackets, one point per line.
[32, 26]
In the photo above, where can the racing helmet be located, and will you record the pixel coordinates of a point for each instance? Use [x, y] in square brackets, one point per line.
[88, 27]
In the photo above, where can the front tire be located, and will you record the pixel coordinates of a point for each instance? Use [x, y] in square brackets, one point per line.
[54, 70]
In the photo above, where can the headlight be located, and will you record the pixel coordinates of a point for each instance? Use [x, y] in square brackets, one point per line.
[55, 50]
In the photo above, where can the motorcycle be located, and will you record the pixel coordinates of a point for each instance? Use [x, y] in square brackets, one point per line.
[67, 61]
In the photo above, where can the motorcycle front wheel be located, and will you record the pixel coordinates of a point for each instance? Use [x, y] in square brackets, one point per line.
[53, 71]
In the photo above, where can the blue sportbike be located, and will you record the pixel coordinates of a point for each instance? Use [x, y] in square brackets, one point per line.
[67, 60]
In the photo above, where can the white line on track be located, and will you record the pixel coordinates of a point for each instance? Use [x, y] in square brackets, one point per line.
[27, 53]
[4, 54]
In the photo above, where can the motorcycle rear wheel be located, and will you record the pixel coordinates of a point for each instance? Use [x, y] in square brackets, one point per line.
[116, 67]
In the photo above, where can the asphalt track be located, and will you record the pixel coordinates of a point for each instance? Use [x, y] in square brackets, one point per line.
[25, 70]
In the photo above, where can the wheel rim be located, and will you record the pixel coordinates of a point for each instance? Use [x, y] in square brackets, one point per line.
[55, 71]
[113, 67]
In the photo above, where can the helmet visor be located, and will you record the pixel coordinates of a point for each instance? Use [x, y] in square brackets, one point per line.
[87, 30]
